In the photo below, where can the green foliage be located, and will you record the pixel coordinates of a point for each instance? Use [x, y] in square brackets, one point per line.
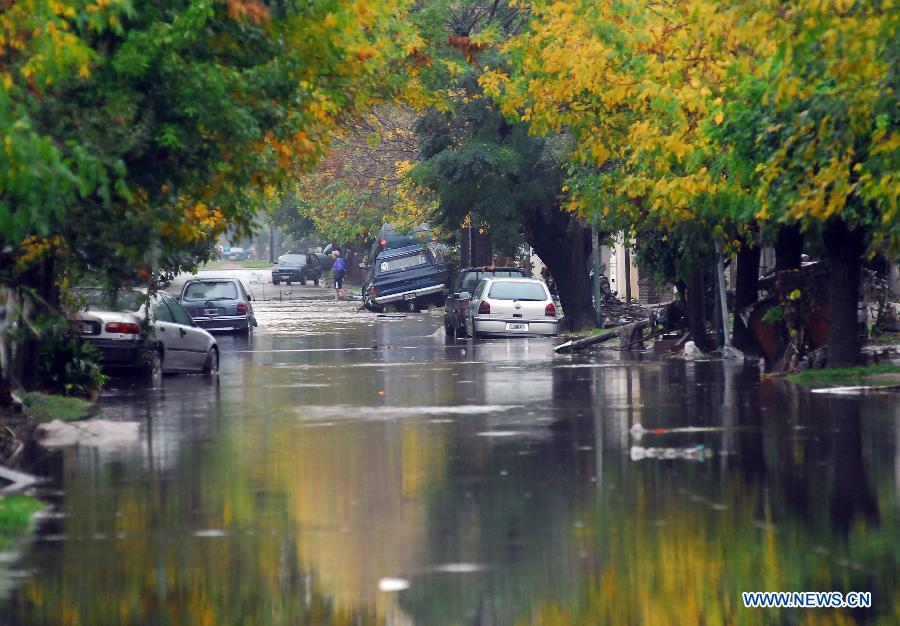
[69, 365]
[774, 315]
[16, 518]
[874, 375]
[43, 407]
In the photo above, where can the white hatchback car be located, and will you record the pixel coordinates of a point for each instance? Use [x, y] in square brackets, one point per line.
[169, 341]
[511, 307]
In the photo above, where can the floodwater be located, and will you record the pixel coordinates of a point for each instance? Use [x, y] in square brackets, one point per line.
[354, 469]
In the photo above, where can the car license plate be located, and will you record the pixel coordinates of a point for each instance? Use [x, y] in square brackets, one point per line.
[211, 312]
[517, 327]
[409, 296]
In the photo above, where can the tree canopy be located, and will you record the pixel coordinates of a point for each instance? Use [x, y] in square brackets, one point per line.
[141, 127]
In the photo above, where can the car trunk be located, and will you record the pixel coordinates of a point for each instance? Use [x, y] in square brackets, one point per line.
[514, 309]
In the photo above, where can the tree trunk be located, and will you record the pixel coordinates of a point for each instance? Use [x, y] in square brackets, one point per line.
[746, 292]
[788, 248]
[695, 309]
[845, 248]
[564, 245]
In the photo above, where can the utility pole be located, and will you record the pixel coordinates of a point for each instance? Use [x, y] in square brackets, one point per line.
[595, 261]
[723, 304]
[627, 242]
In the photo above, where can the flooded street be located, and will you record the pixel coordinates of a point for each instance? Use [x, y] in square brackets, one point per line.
[353, 469]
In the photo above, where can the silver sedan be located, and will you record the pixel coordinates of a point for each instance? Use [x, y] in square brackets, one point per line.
[150, 335]
[511, 307]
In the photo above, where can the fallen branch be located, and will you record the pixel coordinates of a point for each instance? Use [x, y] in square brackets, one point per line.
[580, 344]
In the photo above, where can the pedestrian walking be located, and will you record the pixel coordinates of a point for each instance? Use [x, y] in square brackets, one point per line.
[337, 273]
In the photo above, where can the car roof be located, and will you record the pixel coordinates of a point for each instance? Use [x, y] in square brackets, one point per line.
[491, 268]
[513, 279]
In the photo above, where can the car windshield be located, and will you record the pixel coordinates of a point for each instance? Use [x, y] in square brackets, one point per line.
[106, 300]
[402, 262]
[508, 290]
[210, 290]
[293, 259]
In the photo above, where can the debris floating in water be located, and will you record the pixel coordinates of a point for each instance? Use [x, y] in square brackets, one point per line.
[459, 568]
[693, 453]
[393, 584]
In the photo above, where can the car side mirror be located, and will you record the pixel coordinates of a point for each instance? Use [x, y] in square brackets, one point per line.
[274, 262]
[249, 297]
[464, 295]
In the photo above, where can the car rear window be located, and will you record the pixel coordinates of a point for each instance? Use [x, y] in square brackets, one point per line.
[221, 290]
[472, 278]
[293, 259]
[104, 300]
[402, 262]
[502, 290]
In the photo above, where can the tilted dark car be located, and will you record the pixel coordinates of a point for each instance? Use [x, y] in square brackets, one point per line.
[218, 304]
[461, 292]
[413, 277]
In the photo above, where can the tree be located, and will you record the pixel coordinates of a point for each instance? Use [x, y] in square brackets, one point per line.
[135, 134]
[483, 169]
[731, 121]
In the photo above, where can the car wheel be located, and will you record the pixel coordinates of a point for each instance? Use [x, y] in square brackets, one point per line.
[154, 369]
[275, 281]
[244, 330]
[316, 281]
[288, 282]
[461, 330]
[212, 362]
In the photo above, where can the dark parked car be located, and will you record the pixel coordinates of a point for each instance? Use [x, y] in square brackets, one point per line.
[461, 292]
[297, 268]
[407, 270]
[218, 304]
[237, 254]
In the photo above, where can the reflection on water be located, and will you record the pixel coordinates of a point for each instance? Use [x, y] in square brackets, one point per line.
[495, 479]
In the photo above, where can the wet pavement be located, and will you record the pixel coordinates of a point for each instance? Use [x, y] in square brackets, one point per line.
[353, 469]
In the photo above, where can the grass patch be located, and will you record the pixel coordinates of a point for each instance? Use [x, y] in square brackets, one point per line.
[16, 514]
[44, 407]
[875, 375]
[884, 338]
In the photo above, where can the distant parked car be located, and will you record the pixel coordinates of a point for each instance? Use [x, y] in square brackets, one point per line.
[511, 307]
[466, 281]
[297, 268]
[136, 333]
[218, 304]
[237, 254]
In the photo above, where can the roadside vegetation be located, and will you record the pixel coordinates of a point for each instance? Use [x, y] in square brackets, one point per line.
[16, 518]
[871, 375]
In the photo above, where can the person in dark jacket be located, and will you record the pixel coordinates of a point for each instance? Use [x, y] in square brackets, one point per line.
[337, 272]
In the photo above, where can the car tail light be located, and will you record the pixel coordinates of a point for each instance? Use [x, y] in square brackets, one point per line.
[125, 328]
[484, 308]
[550, 310]
[242, 308]
[373, 291]
[384, 244]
